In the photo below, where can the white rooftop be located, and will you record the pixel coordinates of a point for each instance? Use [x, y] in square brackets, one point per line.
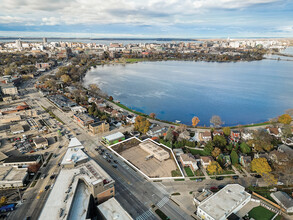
[74, 142]
[12, 174]
[73, 155]
[224, 201]
[112, 210]
[114, 136]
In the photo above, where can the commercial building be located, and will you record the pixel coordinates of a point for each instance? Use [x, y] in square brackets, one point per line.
[9, 118]
[221, 205]
[79, 180]
[41, 142]
[74, 142]
[16, 129]
[99, 127]
[12, 176]
[8, 89]
[83, 119]
[111, 209]
[23, 161]
[154, 150]
[284, 200]
[113, 138]
[188, 160]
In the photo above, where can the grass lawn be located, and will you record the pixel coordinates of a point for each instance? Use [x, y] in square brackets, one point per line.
[179, 179]
[200, 152]
[261, 213]
[176, 173]
[228, 172]
[263, 191]
[188, 171]
[198, 173]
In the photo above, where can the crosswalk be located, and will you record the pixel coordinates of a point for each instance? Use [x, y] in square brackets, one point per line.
[146, 215]
[162, 202]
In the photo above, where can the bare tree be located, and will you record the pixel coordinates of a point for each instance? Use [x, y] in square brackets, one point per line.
[216, 121]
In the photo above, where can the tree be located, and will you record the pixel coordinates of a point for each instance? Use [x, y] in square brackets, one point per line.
[227, 131]
[195, 121]
[96, 113]
[152, 115]
[260, 165]
[65, 78]
[3, 200]
[104, 117]
[111, 98]
[286, 131]
[245, 148]
[261, 141]
[169, 134]
[92, 109]
[216, 121]
[94, 88]
[214, 168]
[285, 119]
[219, 141]
[234, 157]
[142, 124]
[209, 147]
[216, 152]
[229, 147]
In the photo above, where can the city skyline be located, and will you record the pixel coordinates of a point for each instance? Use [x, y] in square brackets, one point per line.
[142, 19]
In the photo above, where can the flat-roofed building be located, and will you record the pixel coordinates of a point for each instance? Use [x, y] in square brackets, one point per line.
[83, 119]
[284, 200]
[16, 129]
[12, 177]
[79, 178]
[154, 149]
[24, 161]
[99, 127]
[74, 142]
[225, 202]
[113, 138]
[41, 142]
[8, 89]
[111, 209]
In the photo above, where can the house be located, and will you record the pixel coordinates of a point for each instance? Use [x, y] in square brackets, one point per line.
[247, 135]
[41, 142]
[16, 129]
[276, 132]
[77, 109]
[235, 136]
[185, 135]
[219, 133]
[284, 200]
[205, 136]
[178, 152]
[83, 119]
[99, 127]
[285, 149]
[156, 131]
[187, 160]
[205, 161]
[130, 119]
[278, 157]
[245, 160]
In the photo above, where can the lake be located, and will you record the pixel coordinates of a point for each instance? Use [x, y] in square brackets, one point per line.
[240, 93]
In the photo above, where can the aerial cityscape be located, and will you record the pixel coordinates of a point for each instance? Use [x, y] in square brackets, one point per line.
[138, 110]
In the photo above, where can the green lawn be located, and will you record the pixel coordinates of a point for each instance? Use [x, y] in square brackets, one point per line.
[200, 152]
[175, 173]
[261, 213]
[188, 171]
[263, 191]
[198, 173]
[179, 179]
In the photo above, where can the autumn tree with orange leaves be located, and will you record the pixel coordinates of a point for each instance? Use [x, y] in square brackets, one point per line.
[195, 121]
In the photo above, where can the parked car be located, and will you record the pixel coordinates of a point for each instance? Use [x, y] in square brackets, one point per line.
[47, 187]
[43, 176]
[219, 178]
[115, 161]
[214, 188]
[114, 165]
[257, 176]
[198, 180]
[52, 176]
[221, 186]
[109, 160]
[235, 177]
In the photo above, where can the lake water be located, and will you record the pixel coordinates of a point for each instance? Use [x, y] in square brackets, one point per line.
[240, 93]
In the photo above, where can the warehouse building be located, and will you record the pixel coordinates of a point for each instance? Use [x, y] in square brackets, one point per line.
[22, 161]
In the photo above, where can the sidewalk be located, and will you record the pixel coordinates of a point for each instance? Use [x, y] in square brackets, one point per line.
[236, 171]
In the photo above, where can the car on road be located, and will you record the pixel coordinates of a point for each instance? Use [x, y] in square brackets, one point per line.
[60, 146]
[96, 149]
[115, 161]
[219, 178]
[235, 177]
[114, 165]
[109, 160]
[52, 176]
[47, 187]
[257, 176]
[198, 180]
[221, 186]
[104, 156]
[43, 176]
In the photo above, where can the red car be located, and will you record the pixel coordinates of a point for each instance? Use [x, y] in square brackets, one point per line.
[214, 188]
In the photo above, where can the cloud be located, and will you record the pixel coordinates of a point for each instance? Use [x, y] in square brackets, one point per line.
[50, 21]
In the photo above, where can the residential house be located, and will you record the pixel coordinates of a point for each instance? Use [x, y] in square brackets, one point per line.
[130, 119]
[278, 157]
[219, 133]
[276, 132]
[286, 149]
[185, 135]
[205, 136]
[99, 127]
[178, 152]
[108, 110]
[245, 160]
[156, 131]
[284, 200]
[247, 135]
[205, 161]
[187, 160]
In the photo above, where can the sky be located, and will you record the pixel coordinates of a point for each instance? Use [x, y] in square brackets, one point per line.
[146, 18]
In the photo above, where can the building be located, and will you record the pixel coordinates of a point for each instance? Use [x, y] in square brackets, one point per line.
[278, 157]
[276, 132]
[83, 119]
[22, 161]
[284, 200]
[113, 138]
[12, 177]
[205, 161]
[285, 149]
[111, 209]
[79, 180]
[16, 129]
[205, 136]
[156, 131]
[235, 136]
[41, 142]
[154, 150]
[8, 89]
[99, 127]
[245, 160]
[9, 118]
[74, 142]
[187, 160]
[225, 202]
